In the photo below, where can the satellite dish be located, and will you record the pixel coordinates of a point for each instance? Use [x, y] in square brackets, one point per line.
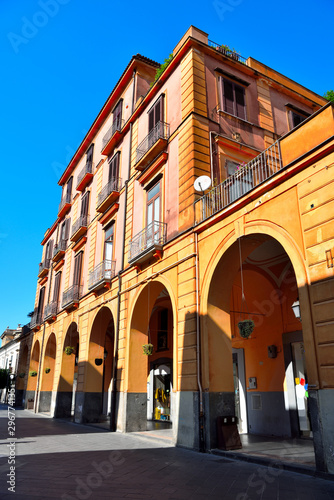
[202, 183]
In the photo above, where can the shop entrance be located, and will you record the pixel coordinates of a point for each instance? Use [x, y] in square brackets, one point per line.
[150, 372]
[158, 392]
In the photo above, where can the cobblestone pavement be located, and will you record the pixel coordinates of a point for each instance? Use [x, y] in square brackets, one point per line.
[67, 461]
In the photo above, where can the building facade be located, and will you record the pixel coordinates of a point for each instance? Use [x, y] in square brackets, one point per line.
[196, 201]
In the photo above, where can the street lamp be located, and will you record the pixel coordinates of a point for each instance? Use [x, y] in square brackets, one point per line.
[296, 309]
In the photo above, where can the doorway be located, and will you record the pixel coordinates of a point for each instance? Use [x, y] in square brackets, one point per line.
[240, 389]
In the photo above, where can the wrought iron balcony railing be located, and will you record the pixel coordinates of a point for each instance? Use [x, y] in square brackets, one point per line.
[65, 201]
[113, 186]
[59, 247]
[71, 296]
[36, 319]
[116, 126]
[85, 173]
[50, 310]
[224, 49]
[160, 131]
[246, 178]
[101, 274]
[81, 222]
[43, 267]
[150, 238]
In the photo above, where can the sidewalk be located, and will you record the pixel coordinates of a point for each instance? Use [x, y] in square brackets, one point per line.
[62, 460]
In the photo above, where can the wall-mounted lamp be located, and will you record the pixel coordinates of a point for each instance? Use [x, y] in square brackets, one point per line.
[296, 309]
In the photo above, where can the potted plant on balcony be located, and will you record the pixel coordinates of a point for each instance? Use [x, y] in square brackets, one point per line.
[33, 373]
[148, 349]
[246, 327]
[69, 350]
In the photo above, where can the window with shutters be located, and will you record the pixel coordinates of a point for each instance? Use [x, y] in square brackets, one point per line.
[156, 113]
[56, 288]
[77, 269]
[232, 98]
[114, 167]
[295, 118]
[69, 190]
[89, 155]
[64, 230]
[84, 205]
[117, 117]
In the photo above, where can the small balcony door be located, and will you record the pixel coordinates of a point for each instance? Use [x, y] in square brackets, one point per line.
[153, 214]
[108, 251]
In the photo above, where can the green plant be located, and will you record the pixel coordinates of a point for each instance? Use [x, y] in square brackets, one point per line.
[329, 95]
[47, 370]
[162, 68]
[22, 375]
[69, 350]
[148, 349]
[246, 327]
[33, 373]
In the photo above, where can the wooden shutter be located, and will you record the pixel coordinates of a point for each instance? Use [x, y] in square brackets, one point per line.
[240, 101]
[41, 300]
[114, 167]
[56, 287]
[49, 256]
[155, 114]
[77, 269]
[84, 204]
[228, 97]
[89, 154]
[117, 116]
[69, 188]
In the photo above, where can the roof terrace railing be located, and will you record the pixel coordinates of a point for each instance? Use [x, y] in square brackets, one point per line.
[226, 51]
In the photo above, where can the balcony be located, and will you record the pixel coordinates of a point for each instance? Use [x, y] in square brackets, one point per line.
[153, 144]
[101, 276]
[112, 137]
[36, 320]
[79, 228]
[85, 175]
[108, 195]
[71, 297]
[59, 250]
[226, 51]
[246, 178]
[50, 311]
[44, 268]
[64, 205]
[148, 243]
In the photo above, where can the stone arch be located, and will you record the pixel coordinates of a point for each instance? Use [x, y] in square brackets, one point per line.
[47, 375]
[99, 367]
[66, 391]
[146, 308]
[216, 311]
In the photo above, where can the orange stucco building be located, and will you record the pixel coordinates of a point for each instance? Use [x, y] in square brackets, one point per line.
[138, 255]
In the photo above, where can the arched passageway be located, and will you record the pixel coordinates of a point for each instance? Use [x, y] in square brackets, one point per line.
[67, 385]
[150, 376]
[261, 377]
[47, 376]
[96, 399]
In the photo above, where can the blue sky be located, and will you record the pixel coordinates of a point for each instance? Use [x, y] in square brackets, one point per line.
[60, 59]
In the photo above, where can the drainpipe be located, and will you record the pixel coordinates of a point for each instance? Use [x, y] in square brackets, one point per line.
[198, 355]
[113, 418]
